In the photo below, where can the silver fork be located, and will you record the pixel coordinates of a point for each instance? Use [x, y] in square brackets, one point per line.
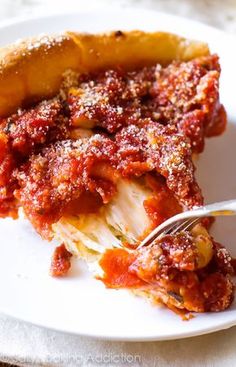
[187, 220]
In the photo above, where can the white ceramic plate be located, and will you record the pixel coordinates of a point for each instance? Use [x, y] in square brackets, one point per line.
[79, 304]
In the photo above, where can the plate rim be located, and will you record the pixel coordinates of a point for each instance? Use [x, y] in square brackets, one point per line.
[60, 12]
[174, 336]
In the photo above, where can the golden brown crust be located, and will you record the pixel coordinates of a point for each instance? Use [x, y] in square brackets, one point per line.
[32, 70]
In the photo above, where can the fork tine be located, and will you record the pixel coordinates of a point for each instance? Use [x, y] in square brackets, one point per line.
[158, 232]
[192, 223]
[187, 224]
[172, 228]
[166, 230]
[169, 228]
[176, 227]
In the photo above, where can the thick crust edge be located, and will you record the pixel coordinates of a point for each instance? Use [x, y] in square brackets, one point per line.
[31, 70]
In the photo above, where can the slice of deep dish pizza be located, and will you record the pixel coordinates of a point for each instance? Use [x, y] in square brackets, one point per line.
[97, 139]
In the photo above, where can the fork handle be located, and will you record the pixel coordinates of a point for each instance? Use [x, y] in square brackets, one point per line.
[217, 209]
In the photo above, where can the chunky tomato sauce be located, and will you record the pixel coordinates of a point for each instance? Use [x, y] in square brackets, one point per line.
[150, 120]
[60, 261]
[168, 271]
[162, 204]
[147, 123]
[116, 264]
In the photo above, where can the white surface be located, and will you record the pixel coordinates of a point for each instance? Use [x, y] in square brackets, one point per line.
[30, 346]
[218, 13]
[79, 304]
